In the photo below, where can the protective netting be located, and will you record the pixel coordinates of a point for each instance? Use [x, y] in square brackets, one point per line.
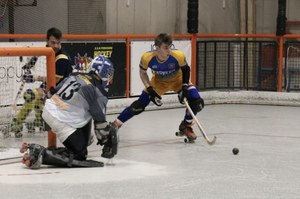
[36, 16]
[237, 65]
[21, 98]
[292, 67]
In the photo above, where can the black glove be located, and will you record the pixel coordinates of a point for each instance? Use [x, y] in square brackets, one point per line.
[107, 136]
[110, 148]
[183, 94]
[28, 78]
[154, 97]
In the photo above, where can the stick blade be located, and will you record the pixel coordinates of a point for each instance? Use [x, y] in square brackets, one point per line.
[213, 141]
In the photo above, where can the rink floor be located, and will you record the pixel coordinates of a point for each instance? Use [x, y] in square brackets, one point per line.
[153, 163]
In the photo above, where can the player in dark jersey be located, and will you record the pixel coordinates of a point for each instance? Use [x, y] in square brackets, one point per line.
[170, 73]
[75, 102]
[63, 68]
[62, 60]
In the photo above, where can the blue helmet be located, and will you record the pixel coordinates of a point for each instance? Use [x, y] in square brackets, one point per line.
[104, 68]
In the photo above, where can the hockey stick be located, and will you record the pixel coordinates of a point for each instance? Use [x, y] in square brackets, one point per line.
[210, 142]
[14, 106]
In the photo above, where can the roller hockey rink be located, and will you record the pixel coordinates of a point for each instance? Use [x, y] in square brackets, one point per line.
[153, 163]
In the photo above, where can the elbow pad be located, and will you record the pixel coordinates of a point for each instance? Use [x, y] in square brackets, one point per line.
[185, 74]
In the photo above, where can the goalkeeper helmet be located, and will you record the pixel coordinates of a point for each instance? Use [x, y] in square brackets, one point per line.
[104, 68]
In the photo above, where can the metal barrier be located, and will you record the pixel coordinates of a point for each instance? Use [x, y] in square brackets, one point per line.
[245, 65]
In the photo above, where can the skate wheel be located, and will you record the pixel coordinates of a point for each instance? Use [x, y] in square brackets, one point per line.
[189, 140]
[179, 133]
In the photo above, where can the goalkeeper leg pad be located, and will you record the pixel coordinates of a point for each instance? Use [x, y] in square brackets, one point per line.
[36, 155]
[61, 157]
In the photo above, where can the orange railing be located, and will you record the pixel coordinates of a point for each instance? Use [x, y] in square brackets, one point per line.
[192, 37]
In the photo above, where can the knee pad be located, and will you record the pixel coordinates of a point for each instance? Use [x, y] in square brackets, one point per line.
[36, 155]
[196, 105]
[137, 107]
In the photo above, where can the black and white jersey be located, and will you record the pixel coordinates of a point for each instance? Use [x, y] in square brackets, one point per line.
[79, 98]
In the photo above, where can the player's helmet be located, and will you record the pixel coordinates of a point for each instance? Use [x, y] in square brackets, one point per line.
[29, 95]
[104, 68]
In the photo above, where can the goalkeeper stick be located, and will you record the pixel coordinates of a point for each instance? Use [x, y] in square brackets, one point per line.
[210, 142]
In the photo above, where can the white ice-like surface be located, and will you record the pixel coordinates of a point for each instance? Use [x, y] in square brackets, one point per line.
[109, 173]
[9, 153]
[153, 163]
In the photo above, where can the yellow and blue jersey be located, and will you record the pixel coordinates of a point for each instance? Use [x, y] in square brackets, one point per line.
[167, 75]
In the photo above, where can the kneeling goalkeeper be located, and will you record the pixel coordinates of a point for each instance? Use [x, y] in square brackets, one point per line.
[75, 102]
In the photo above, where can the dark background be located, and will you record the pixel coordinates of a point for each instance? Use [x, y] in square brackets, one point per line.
[115, 51]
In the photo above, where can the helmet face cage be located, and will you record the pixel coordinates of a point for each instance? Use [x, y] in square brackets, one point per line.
[103, 67]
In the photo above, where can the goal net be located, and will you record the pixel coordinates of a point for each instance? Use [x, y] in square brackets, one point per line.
[22, 96]
[292, 68]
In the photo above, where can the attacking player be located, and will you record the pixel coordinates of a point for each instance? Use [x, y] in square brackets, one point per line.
[170, 73]
[76, 101]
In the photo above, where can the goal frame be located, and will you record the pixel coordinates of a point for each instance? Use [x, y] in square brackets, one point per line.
[50, 62]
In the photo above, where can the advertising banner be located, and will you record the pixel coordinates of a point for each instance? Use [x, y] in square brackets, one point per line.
[82, 53]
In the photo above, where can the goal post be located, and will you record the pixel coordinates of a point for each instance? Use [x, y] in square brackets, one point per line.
[49, 55]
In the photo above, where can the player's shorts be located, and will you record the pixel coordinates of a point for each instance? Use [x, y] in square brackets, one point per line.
[163, 86]
[62, 130]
